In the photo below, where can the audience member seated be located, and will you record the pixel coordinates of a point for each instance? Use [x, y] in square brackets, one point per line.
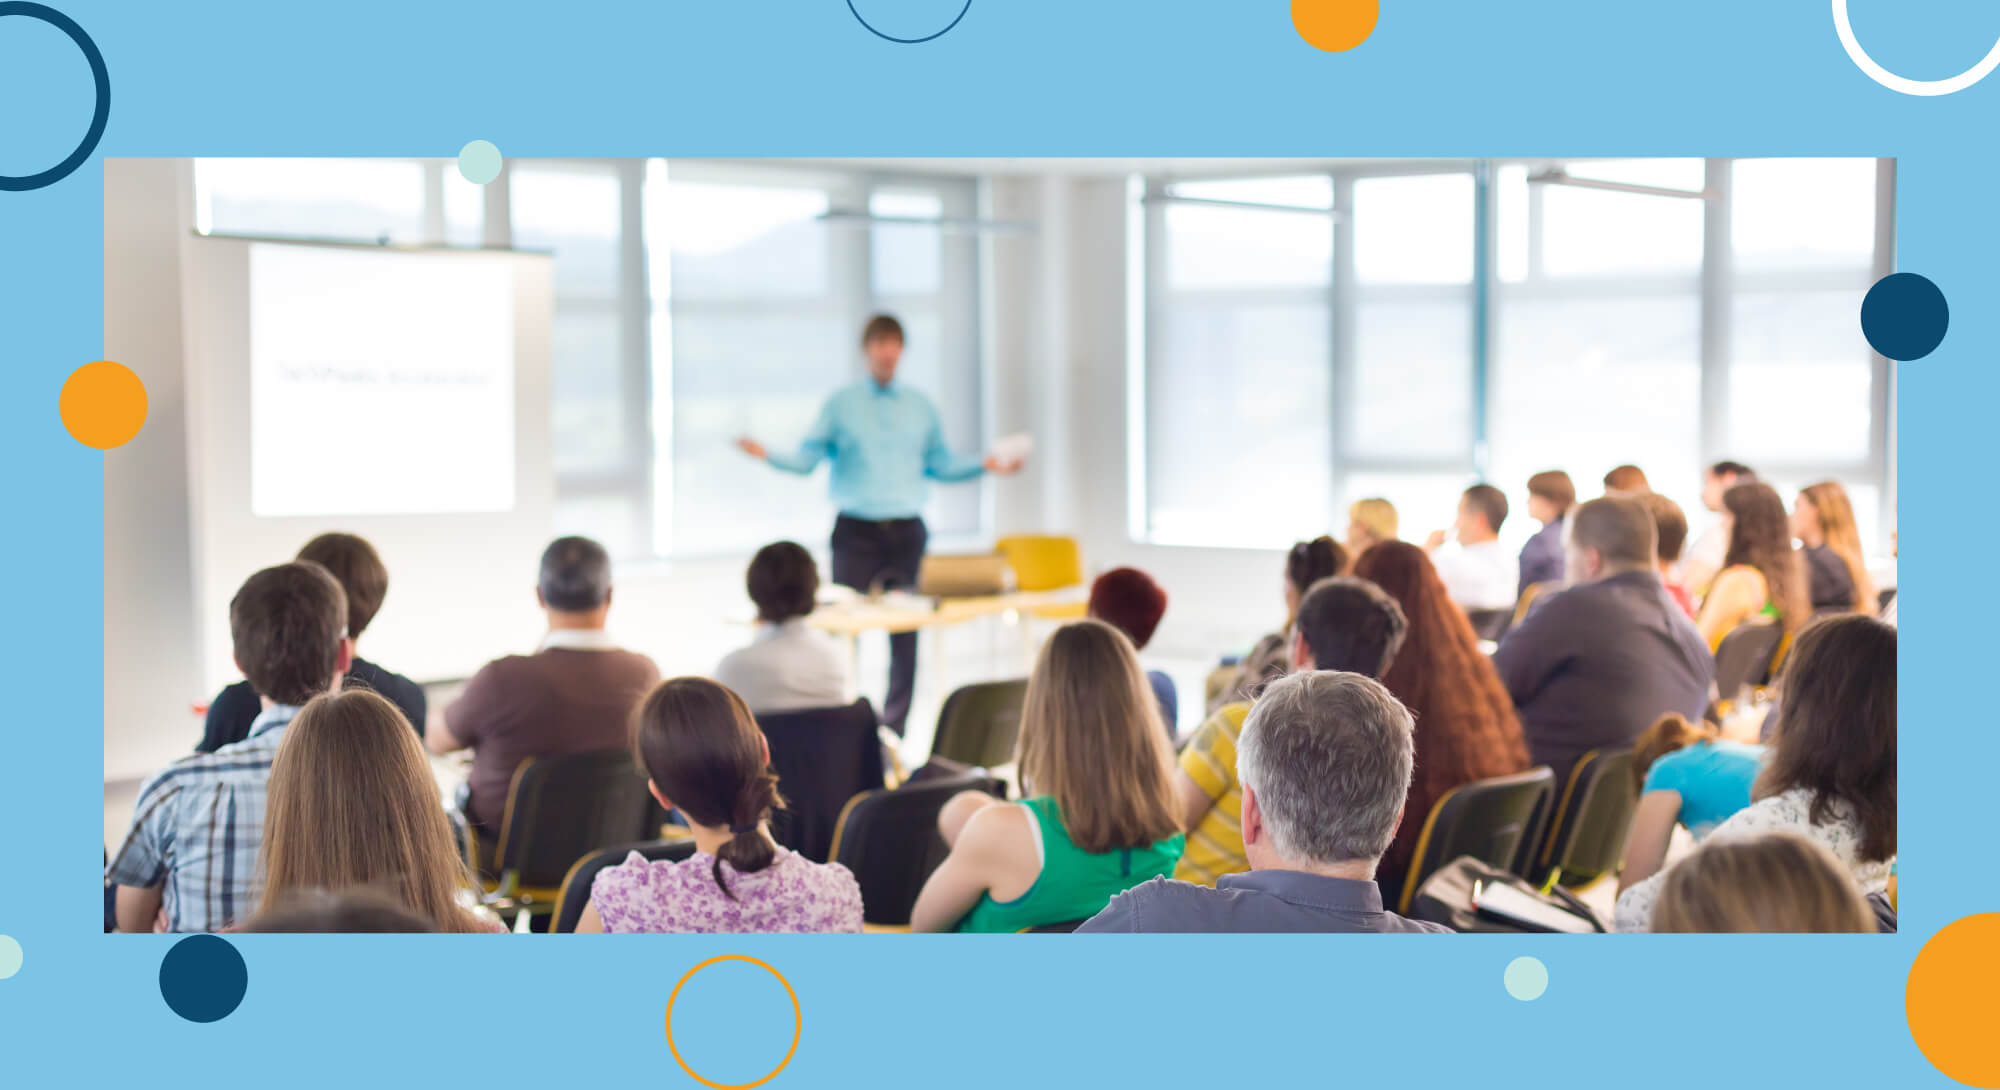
[1550, 496]
[574, 695]
[1466, 727]
[1627, 480]
[1098, 817]
[708, 761]
[1370, 522]
[355, 912]
[1762, 576]
[1671, 528]
[1836, 571]
[1831, 771]
[1601, 661]
[790, 665]
[1344, 624]
[189, 862]
[352, 804]
[1130, 601]
[1778, 883]
[1307, 563]
[355, 564]
[1324, 761]
[1688, 776]
[1480, 573]
[1703, 559]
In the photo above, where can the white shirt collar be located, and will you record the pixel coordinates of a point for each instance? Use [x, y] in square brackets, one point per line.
[579, 639]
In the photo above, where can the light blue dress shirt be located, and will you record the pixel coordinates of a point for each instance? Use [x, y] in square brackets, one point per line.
[886, 443]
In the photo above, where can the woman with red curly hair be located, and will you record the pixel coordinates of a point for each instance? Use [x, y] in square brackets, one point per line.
[1466, 727]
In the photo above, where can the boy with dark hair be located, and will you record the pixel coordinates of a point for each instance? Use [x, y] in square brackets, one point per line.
[361, 573]
[190, 860]
[789, 665]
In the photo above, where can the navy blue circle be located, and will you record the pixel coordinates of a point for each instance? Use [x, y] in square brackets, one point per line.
[909, 41]
[68, 26]
[203, 978]
[1904, 316]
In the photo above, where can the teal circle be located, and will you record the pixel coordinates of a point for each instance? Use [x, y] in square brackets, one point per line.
[1527, 979]
[479, 161]
[10, 956]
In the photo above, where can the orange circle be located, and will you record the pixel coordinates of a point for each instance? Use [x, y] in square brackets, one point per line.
[103, 404]
[1950, 1001]
[1335, 25]
[798, 1023]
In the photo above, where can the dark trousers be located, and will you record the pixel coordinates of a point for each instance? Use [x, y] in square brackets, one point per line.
[871, 555]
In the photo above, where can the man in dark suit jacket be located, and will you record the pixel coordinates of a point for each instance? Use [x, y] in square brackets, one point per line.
[1596, 664]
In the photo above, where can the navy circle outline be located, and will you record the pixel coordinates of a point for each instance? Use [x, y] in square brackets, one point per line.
[13, 183]
[905, 41]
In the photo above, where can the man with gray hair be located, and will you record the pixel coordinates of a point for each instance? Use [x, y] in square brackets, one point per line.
[1324, 762]
[575, 693]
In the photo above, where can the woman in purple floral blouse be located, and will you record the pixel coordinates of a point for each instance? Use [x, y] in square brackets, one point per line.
[708, 760]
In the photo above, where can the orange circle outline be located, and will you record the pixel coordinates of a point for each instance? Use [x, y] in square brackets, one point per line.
[798, 1023]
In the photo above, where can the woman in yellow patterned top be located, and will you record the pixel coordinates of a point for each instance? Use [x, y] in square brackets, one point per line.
[1342, 623]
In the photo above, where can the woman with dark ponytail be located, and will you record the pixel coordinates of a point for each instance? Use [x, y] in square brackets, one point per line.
[707, 759]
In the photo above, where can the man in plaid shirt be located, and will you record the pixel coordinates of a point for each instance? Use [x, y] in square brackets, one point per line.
[192, 850]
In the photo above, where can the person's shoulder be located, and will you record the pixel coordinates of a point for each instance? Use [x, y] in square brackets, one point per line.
[830, 876]
[999, 831]
[1393, 923]
[1140, 907]
[641, 665]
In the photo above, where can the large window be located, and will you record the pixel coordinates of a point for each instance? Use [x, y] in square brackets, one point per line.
[1404, 330]
[695, 302]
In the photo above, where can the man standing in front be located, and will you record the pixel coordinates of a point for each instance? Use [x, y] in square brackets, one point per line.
[886, 442]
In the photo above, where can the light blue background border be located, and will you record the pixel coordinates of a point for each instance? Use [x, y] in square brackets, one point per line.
[1016, 77]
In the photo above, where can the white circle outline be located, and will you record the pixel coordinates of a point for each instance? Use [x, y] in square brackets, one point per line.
[1894, 82]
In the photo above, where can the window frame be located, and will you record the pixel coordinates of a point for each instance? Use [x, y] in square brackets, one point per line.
[1715, 283]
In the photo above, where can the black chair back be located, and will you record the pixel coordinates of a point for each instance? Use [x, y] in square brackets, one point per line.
[823, 757]
[1486, 819]
[1748, 656]
[979, 723]
[560, 809]
[1063, 928]
[889, 839]
[576, 884]
[1490, 624]
[1592, 817]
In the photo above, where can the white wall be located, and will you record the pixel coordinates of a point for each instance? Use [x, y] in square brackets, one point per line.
[149, 635]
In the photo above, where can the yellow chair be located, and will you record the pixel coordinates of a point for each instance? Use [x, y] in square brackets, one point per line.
[1044, 562]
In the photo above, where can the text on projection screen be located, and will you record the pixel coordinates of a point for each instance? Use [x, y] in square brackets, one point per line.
[381, 382]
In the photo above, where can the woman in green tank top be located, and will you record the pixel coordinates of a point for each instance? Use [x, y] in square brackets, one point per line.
[1099, 819]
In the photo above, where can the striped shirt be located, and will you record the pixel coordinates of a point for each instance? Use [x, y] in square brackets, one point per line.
[1215, 846]
[197, 827]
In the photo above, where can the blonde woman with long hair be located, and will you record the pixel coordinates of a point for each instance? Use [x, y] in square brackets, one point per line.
[1776, 883]
[1836, 571]
[1099, 816]
[352, 805]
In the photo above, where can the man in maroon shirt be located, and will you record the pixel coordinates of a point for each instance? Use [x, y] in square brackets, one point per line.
[574, 694]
